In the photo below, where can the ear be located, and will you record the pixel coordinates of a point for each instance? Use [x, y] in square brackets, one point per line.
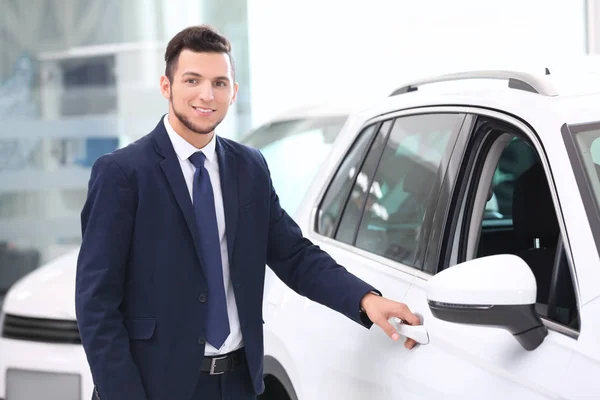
[235, 92]
[165, 87]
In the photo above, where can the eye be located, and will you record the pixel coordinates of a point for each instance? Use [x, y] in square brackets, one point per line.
[221, 84]
[192, 81]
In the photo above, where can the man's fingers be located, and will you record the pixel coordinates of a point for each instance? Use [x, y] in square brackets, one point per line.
[388, 329]
[385, 309]
[393, 334]
[404, 313]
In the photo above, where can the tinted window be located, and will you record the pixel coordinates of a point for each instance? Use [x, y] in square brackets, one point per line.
[402, 188]
[362, 186]
[335, 198]
[516, 158]
[587, 142]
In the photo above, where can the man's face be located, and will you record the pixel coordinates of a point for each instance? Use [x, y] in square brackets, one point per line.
[201, 91]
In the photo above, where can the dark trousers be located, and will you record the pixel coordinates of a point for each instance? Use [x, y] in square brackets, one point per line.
[232, 385]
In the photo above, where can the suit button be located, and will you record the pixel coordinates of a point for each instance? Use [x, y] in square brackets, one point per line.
[202, 298]
[201, 340]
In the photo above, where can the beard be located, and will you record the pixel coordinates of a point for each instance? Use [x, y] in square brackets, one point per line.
[190, 125]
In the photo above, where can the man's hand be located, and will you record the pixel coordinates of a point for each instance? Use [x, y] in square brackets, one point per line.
[380, 310]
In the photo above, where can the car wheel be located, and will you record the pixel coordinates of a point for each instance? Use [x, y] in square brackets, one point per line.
[274, 390]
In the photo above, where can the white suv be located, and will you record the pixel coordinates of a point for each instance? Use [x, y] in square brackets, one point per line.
[479, 209]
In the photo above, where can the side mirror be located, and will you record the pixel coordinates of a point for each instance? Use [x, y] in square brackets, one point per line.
[498, 290]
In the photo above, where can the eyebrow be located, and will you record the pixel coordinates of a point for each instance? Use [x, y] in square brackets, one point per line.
[197, 75]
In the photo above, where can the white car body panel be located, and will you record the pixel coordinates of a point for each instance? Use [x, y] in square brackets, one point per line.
[585, 362]
[466, 362]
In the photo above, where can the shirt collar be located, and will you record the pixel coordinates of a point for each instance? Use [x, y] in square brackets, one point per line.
[185, 149]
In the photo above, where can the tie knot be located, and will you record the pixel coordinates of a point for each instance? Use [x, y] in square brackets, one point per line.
[197, 159]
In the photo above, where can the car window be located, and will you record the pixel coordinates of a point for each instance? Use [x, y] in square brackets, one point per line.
[295, 150]
[517, 157]
[362, 190]
[400, 191]
[497, 228]
[587, 142]
[531, 230]
[330, 208]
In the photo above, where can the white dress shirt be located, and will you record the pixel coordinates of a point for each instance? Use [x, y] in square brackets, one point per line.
[184, 150]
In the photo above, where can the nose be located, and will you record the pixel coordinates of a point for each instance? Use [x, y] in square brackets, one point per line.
[206, 91]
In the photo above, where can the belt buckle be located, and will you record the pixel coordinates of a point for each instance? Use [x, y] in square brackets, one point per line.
[213, 364]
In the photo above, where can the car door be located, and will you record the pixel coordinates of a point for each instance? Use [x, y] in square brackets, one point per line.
[374, 219]
[474, 362]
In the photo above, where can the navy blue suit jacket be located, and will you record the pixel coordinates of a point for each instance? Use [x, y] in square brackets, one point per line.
[139, 272]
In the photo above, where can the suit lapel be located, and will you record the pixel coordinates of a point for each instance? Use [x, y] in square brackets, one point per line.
[172, 171]
[229, 187]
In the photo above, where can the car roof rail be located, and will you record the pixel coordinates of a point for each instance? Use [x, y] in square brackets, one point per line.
[516, 80]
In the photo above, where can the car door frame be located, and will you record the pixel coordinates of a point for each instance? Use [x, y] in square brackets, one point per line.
[437, 253]
[370, 264]
[478, 353]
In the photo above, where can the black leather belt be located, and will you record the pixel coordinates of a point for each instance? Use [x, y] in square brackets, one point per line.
[217, 365]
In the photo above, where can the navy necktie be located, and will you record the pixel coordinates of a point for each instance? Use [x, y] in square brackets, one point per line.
[206, 219]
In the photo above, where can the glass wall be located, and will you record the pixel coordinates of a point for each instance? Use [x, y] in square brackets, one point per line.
[79, 78]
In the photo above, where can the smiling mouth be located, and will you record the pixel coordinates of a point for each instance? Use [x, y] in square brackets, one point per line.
[204, 110]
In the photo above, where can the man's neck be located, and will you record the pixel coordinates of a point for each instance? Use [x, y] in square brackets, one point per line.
[197, 140]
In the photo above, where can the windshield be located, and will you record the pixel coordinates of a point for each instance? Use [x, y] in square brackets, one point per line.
[294, 150]
[587, 141]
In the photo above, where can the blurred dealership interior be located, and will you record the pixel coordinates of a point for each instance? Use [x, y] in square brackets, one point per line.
[79, 78]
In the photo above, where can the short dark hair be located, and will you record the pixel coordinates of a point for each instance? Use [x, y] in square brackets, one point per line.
[200, 38]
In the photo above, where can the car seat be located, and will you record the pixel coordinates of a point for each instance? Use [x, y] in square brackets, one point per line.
[535, 226]
[404, 225]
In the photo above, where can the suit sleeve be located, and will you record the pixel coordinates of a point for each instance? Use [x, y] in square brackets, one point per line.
[107, 224]
[309, 270]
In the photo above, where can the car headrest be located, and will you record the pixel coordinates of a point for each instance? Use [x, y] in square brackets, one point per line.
[420, 178]
[533, 210]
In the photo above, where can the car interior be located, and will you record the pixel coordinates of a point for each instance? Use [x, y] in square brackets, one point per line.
[391, 225]
[523, 221]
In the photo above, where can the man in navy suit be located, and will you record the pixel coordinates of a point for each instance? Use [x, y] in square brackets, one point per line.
[177, 229]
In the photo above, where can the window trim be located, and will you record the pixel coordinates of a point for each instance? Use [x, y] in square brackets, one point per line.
[487, 145]
[458, 162]
[445, 203]
[379, 157]
[316, 218]
[501, 141]
[427, 225]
